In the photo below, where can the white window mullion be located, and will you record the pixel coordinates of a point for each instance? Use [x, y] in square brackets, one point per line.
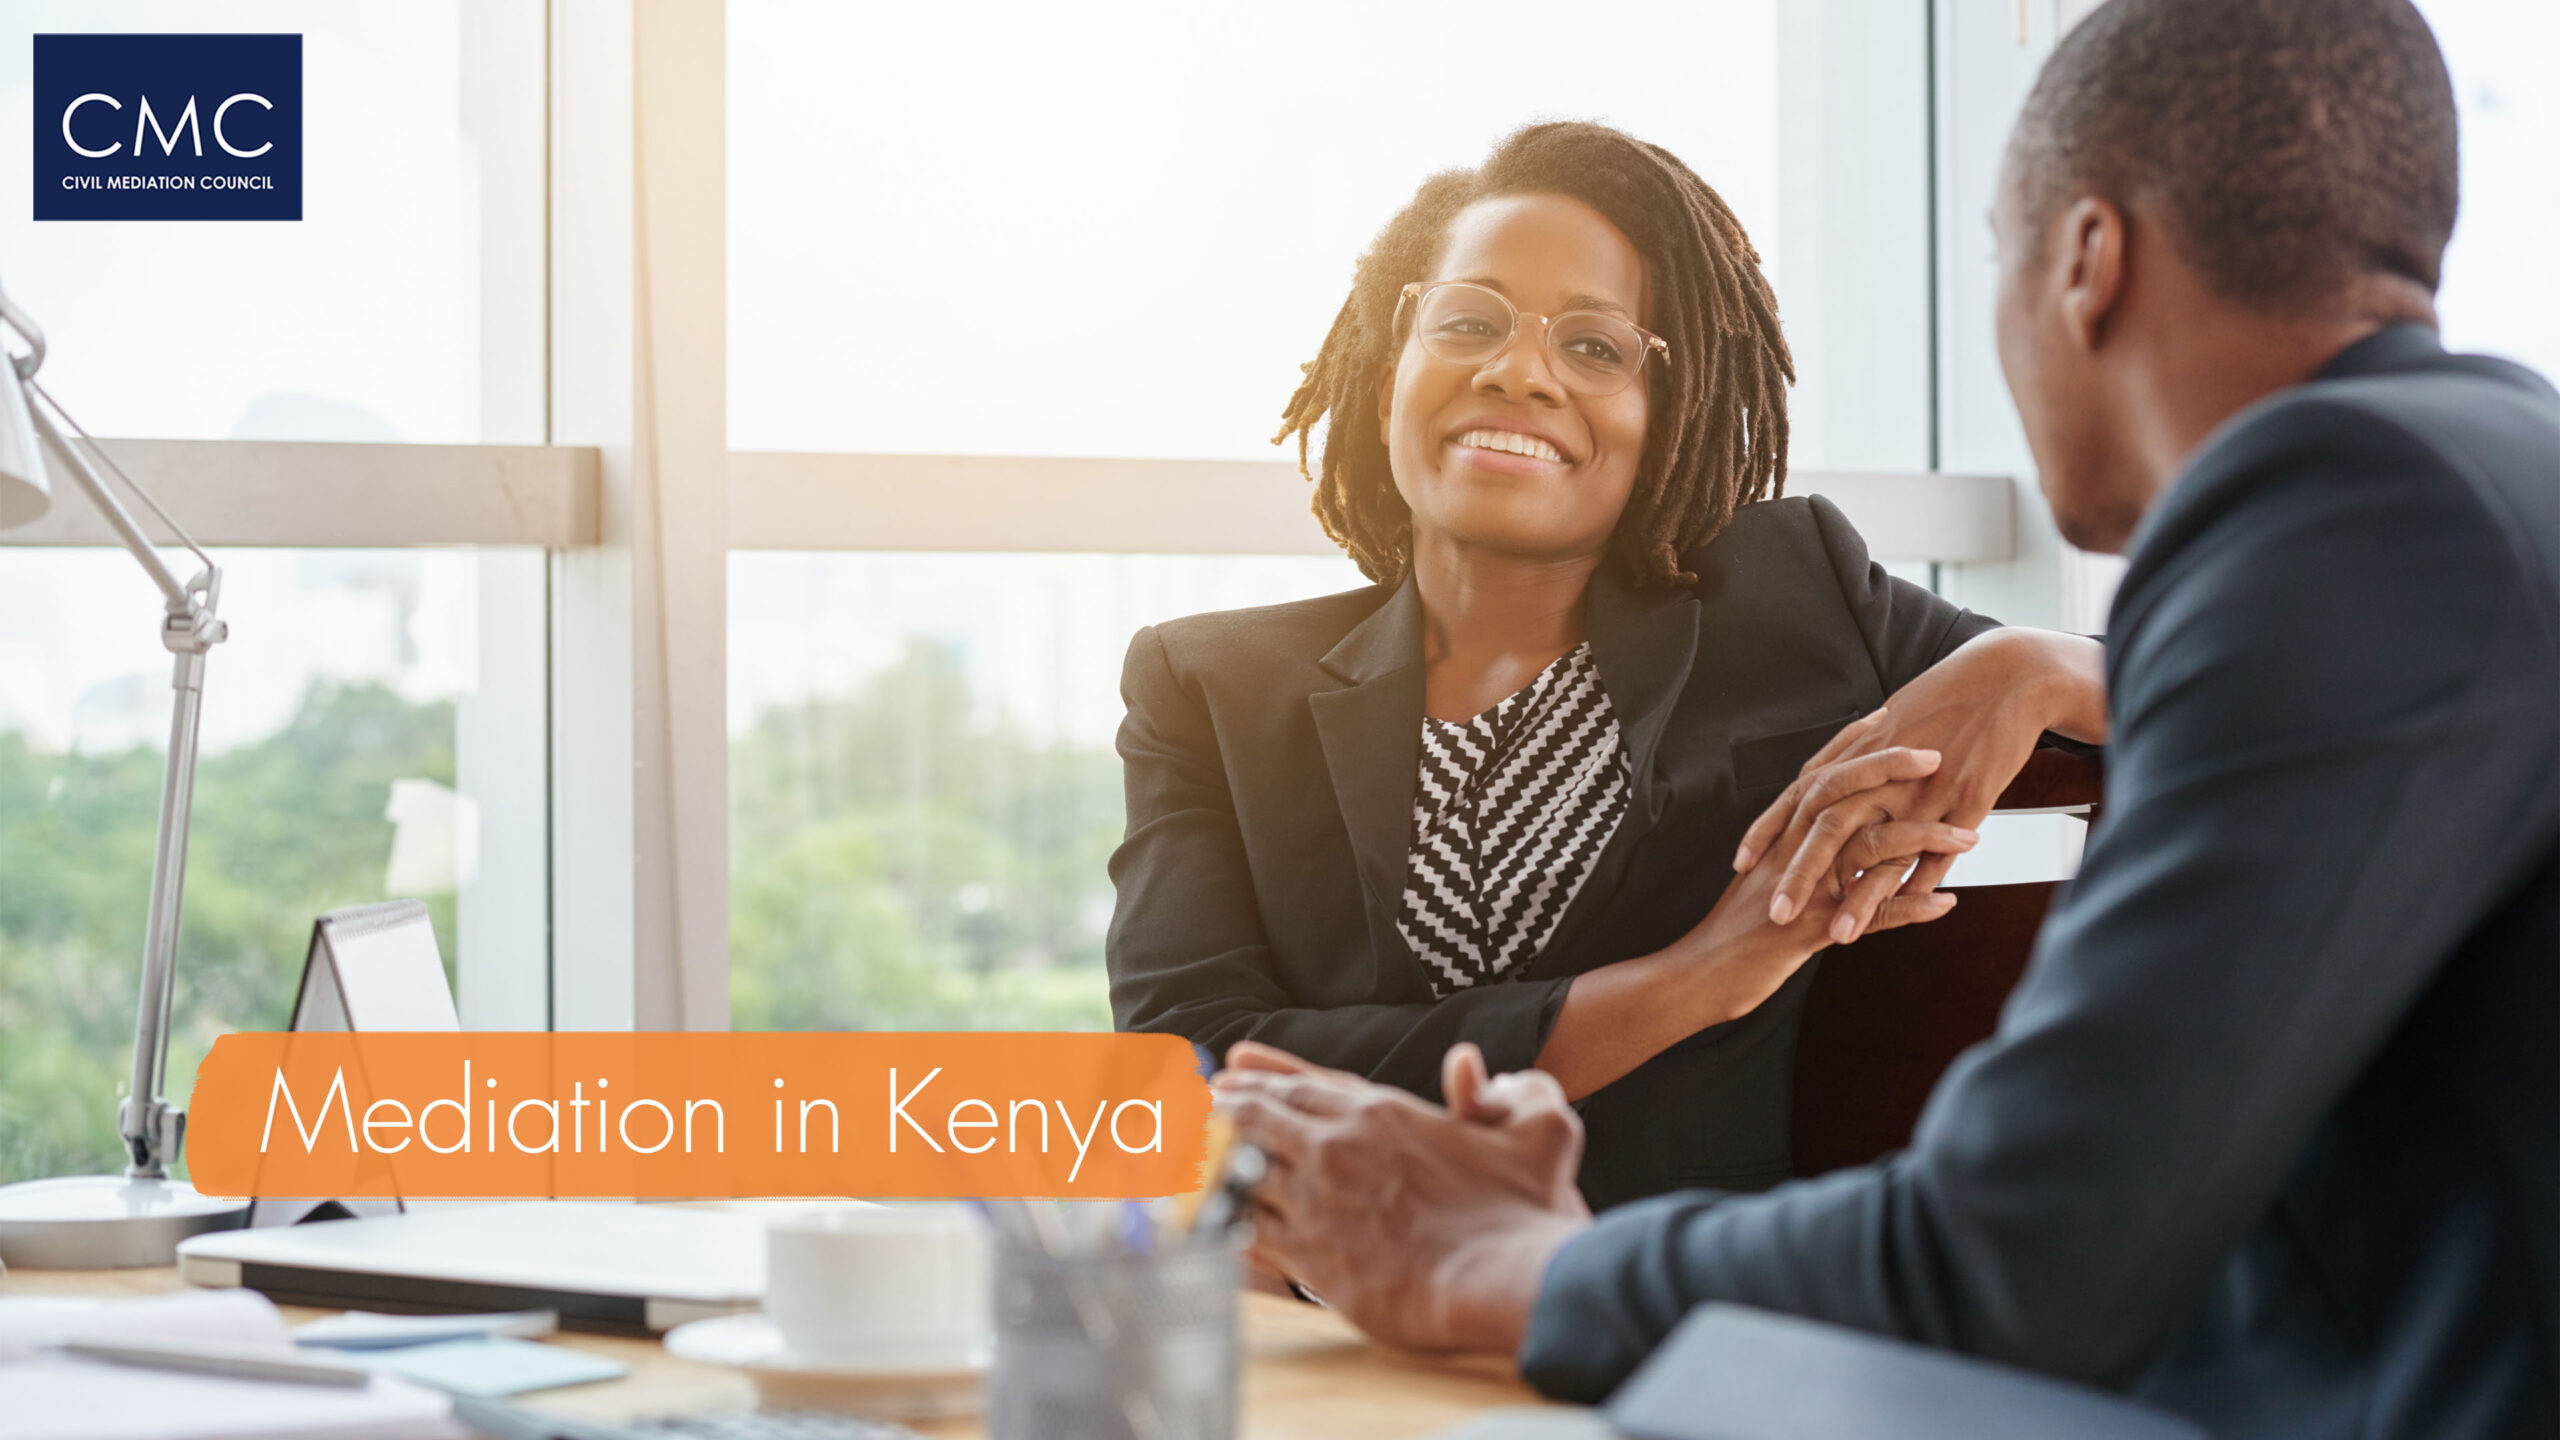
[347, 495]
[681, 456]
[502, 979]
[639, 758]
[502, 905]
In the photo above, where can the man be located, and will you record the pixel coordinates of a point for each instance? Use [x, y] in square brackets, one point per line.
[2270, 1132]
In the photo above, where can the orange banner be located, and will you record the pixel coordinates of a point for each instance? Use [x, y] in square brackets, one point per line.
[491, 1115]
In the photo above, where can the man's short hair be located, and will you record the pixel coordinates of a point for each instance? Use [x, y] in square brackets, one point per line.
[2295, 145]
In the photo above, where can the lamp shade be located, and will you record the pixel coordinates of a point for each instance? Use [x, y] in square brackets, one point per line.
[24, 491]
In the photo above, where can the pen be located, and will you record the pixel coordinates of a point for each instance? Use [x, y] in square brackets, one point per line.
[1230, 1196]
[1213, 1170]
[1027, 1224]
[1137, 1227]
[234, 1362]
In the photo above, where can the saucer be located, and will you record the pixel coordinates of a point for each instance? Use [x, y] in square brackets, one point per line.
[900, 1388]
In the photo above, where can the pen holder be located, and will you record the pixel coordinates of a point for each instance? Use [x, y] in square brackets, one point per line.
[1116, 1345]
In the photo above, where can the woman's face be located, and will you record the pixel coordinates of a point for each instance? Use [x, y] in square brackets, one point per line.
[1547, 254]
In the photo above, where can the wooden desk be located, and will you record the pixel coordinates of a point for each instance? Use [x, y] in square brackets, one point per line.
[1308, 1376]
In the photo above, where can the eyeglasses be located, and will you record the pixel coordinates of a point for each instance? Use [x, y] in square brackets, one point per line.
[1591, 351]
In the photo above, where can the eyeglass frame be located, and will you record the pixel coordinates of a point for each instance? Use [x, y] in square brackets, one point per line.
[1415, 290]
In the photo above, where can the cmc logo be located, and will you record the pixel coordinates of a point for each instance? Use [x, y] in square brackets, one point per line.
[168, 127]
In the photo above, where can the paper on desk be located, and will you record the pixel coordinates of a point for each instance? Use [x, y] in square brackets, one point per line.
[240, 1317]
[54, 1397]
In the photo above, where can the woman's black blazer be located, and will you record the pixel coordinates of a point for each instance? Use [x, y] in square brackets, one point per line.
[1270, 757]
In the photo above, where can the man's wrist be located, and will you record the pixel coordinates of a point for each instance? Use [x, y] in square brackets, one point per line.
[1491, 1285]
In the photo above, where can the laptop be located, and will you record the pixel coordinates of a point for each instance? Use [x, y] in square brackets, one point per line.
[603, 1265]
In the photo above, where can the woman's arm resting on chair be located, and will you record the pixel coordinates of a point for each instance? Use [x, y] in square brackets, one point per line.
[1618, 1016]
[1983, 707]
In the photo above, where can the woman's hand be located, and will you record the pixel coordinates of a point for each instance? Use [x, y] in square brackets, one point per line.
[1981, 710]
[1749, 942]
[1616, 1017]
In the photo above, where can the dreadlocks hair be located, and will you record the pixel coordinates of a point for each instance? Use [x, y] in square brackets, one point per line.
[1717, 429]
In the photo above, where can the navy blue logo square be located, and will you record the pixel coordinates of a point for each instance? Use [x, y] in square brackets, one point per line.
[168, 127]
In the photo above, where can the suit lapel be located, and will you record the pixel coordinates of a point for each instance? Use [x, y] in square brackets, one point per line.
[1644, 645]
[1372, 735]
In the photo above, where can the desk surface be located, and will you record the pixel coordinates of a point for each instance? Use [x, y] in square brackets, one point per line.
[1308, 1375]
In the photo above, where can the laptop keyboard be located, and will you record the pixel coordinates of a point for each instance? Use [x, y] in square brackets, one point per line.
[509, 1422]
[769, 1425]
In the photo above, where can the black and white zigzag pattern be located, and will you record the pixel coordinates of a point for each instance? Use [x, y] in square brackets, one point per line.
[1510, 815]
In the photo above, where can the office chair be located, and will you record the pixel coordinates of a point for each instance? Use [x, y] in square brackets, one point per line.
[1889, 1013]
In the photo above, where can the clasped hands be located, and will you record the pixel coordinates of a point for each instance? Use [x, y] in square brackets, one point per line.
[1866, 820]
[1430, 1227]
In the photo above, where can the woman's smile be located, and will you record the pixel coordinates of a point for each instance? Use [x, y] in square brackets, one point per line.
[1508, 449]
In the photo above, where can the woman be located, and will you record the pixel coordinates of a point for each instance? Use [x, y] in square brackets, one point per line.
[1496, 797]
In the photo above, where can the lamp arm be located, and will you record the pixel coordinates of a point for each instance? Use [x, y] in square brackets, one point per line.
[119, 519]
[17, 319]
[154, 1131]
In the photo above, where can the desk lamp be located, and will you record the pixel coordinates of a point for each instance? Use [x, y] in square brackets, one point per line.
[137, 1218]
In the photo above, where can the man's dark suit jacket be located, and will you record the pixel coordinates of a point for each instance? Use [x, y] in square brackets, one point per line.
[2269, 1130]
[1271, 756]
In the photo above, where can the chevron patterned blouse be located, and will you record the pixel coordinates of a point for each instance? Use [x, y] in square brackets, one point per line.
[1510, 814]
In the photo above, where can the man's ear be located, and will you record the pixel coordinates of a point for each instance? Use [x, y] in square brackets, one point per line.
[2089, 251]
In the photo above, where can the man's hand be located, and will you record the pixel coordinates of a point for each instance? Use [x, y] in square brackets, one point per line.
[1425, 1228]
[1980, 711]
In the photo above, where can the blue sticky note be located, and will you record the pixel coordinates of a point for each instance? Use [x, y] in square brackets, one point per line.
[492, 1367]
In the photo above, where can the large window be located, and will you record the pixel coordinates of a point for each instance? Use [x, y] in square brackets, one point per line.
[369, 724]
[405, 305]
[922, 789]
[328, 778]
[1074, 233]
[1117, 231]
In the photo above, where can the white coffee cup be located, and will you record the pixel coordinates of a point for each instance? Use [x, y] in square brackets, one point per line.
[880, 1288]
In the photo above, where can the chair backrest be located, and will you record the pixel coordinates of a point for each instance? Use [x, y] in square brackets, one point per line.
[1887, 1014]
